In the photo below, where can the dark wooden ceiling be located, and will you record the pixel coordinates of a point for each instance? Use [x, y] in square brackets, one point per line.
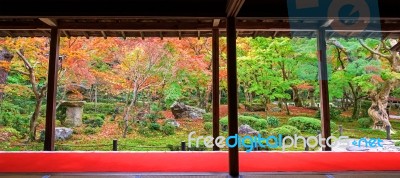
[173, 18]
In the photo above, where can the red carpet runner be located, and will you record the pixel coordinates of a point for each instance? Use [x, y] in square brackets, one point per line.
[78, 162]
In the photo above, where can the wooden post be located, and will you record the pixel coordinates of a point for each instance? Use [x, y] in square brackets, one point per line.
[183, 146]
[215, 85]
[232, 94]
[323, 86]
[388, 132]
[52, 90]
[115, 145]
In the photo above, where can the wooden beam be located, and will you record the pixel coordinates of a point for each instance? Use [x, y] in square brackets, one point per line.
[47, 34]
[66, 34]
[255, 33]
[232, 95]
[86, 35]
[123, 35]
[8, 33]
[48, 21]
[142, 35]
[323, 88]
[52, 90]
[215, 85]
[134, 26]
[216, 22]
[17, 25]
[104, 34]
[234, 7]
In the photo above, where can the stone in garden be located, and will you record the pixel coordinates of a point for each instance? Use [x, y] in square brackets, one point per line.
[61, 133]
[356, 148]
[247, 130]
[276, 109]
[174, 123]
[255, 107]
[180, 110]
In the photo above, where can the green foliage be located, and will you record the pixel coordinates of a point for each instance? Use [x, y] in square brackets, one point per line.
[207, 117]
[94, 120]
[168, 129]
[258, 124]
[208, 126]
[264, 133]
[90, 130]
[272, 121]
[61, 113]
[397, 143]
[307, 124]
[365, 105]
[103, 108]
[251, 114]
[154, 126]
[334, 113]
[10, 116]
[192, 148]
[365, 122]
[152, 117]
[285, 130]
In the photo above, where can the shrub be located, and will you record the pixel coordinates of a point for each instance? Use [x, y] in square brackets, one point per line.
[252, 115]
[260, 124]
[397, 144]
[154, 126]
[152, 117]
[285, 130]
[208, 126]
[272, 122]
[168, 129]
[103, 108]
[334, 113]
[94, 122]
[90, 130]
[365, 122]
[308, 124]
[207, 117]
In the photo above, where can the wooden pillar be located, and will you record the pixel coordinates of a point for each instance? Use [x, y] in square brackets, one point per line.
[52, 90]
[232, 94]
[215, 85]
[323, 86]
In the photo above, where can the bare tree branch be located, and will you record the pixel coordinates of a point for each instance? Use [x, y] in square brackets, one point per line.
[389, 57]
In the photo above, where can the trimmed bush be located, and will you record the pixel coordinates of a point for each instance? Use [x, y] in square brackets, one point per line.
[365, 122]
[207, 117]
[94, 122]
[168, 129]
[258, 124]
[334, 113]
[90, 130]
[272, 122]
[103, 108]
[285, 130]
[155, 126]
[208, 126]
[308, 124]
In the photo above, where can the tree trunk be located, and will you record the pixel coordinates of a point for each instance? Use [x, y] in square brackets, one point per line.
[127, 112]
[377, 111]
[34, 118]
[5, 59]
[356, 111]
[296, 97]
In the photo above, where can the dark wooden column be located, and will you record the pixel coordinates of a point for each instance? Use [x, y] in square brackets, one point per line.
[232, 94]
[323, 86]
[215, 84]
[52, 90]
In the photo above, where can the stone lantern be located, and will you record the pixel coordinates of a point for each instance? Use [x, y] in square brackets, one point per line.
[74, 105]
